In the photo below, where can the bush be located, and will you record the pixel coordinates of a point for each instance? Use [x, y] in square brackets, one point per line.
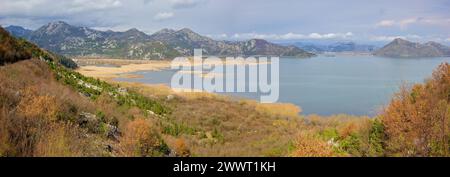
[310, 145]
[36, 106]
[141, 139]
[417, 121]
[376, 139]
[181, 150]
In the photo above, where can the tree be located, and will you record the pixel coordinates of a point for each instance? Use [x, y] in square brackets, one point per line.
[141, 139]
[416, 121]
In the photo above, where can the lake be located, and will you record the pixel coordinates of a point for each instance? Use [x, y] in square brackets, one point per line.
[356, 85]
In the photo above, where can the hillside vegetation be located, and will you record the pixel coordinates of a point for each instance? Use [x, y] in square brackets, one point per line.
[13, 50]
[415, 123]
[48, 109]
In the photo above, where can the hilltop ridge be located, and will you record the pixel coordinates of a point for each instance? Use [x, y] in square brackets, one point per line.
[74, 41]
[401, 48]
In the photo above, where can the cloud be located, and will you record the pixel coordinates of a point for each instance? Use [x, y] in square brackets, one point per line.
[383, 38]
[218, 36]
[179, 4]
[163, 16]
[147, 1]
[54, 7]
[404, 23]
[85, 5]
[292, 36]
[385, 23]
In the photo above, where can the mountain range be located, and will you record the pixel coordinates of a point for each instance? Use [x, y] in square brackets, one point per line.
[336, 47]
[400, 48]
[75, 41]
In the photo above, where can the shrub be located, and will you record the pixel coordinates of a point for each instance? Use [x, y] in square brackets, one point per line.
[141, 139]
[310, 145]
[36, 106]
[376, 139]
[181, 150]
[416, 122]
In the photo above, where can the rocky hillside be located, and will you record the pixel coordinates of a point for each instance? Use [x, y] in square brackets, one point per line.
[13, 50]
[47, 109]
[74, 41]
[400, 48]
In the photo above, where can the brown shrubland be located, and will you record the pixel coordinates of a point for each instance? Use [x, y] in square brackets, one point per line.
[417, 121]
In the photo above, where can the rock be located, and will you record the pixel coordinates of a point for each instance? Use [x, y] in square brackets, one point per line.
[89, 121]
[112, 132]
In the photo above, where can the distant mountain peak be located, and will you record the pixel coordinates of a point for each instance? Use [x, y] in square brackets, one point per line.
[258, 42]
[57, 24]
[15, 27]
[400, 41]
[165, 31]
[65, 39]
[401, 48]
[186, 30]
[18, 31]
[55, 27]
[133, 30]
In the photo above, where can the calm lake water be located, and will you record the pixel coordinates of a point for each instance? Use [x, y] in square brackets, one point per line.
[357, 85]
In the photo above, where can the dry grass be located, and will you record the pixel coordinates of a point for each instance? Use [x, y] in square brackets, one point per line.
[122, 69]
[221, 126]
[31, 106]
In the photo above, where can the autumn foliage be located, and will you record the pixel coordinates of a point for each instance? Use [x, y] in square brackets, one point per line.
[417, 121]
[141, 139]
[310, 145]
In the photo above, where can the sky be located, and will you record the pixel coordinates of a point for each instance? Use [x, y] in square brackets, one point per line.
[375, 21]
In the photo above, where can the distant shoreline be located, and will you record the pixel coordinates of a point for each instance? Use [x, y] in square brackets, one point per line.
[115, 68]
[118, 67]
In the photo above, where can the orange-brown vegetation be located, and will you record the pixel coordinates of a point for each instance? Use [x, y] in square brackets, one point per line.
[181, 149]
[47, 110]
[30, 104]
[141, 139]
[310, 145]
[417, 121]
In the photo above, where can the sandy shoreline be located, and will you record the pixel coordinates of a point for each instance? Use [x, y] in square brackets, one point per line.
[123, 69]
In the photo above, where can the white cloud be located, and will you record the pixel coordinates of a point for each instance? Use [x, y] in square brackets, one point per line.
[390, 38]
[178, 4]
[164, 16]
[217, 36]
[448, 39]
[385, 23]
[292, 36]
[404, 23]
[84, 5]
[385, 38]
